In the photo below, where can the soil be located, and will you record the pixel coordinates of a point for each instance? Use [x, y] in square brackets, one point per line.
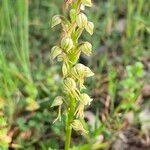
[130, 139]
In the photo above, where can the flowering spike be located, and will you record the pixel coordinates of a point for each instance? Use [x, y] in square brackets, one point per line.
[74, 74]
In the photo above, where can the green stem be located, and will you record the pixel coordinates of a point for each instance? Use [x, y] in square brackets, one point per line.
[68, 136]
[71, 110]
[69, 119]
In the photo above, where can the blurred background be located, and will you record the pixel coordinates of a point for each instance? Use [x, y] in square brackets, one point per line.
[118, 118]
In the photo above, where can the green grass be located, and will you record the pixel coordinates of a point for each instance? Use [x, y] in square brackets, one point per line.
[14, 46]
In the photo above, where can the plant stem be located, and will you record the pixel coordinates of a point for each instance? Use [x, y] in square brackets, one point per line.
[68, 136]
[69, 119]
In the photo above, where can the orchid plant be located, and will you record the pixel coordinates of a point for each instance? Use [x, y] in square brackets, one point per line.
[74, 73]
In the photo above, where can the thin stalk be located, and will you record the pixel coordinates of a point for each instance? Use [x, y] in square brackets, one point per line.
[69, 119]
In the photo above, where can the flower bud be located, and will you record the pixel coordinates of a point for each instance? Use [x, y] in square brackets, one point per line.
[90, 27]
[78, 71]
[69, 83]
[81, 20]
[66, 44]
[86, 48]
[71, 88]
[55, 51]
[85, 99]
[78, 126]
[57, 101]
[56, 20]
[87, 3]
[83, 70]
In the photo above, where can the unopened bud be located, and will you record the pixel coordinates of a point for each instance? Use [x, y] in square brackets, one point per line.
[86, 48]
[78, 126]
[81, 20]
[55, 51]
[78, 70]
[57, 101]
[90, 27]
[87, 3]
[56, 20]
[85, 99]
[66, 44]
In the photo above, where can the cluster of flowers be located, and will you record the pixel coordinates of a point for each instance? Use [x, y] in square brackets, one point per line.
[68, 52]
